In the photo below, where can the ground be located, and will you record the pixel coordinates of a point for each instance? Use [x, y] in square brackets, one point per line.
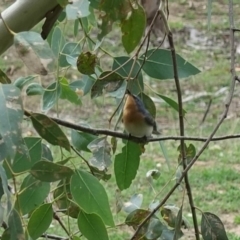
[205, 43]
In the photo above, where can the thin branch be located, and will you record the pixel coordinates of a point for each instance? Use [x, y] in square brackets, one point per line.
[85, 160]
[57, 218]
[55, 237]
[97, 132]
[207, 111]
[181, 126]
[224, 115]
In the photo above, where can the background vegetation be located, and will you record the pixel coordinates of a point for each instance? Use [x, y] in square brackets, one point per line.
[214, 177]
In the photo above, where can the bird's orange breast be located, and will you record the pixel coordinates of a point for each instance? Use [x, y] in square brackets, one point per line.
[131, 113]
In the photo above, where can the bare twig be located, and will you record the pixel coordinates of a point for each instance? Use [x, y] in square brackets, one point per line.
[57, 218]
[224, 115]
[55, 237]
[181, 126]
[207, 111]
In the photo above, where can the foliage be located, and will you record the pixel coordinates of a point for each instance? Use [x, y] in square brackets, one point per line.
[51, 187]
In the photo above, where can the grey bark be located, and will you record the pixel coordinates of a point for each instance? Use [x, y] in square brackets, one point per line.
[22, 15]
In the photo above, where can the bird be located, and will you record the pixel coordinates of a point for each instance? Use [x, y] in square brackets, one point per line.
[137, 120]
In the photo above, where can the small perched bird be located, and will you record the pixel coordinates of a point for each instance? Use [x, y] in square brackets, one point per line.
[137, 120]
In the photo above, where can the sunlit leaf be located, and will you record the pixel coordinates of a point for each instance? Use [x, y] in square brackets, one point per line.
[68, 93]
[35, 52]
[77, 9]
[91, 196]
[212, 227]
[49, 130]
[83, 86]
[32, 193]
[126, 165]
[158, 64]
[133, 28]
[40, 220]
[92, 226]
[50, 172]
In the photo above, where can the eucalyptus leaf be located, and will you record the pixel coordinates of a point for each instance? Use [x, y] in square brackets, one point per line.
[91, 196]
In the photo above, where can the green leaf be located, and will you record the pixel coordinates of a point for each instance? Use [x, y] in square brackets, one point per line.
[77, 9]
[46, 153]
[80, 140]
[32, 193]
[34, 89]
[158, 64]
[101, 150]
[15, 226]
[35, 52]
[40, 220]
[58, 41]
[114, 11]
[63, 3]
[86, 63]
[23, 81]
[133, 28]
[170, 102]
[50, 172]
[148, 103]
[107, 81]
[136, 217]
[84, 85]
[71, 50]
[135, 85]
[4, 79]
[49, 130]
[126, 165]
[178, 224]
[3, 149]
[91, 196]
[92, 226]
[51, 96]
[23, 161]
[68, 93]
[134, 203]
[11, 116]
[63, 198]
[212, 227]
[4, 183]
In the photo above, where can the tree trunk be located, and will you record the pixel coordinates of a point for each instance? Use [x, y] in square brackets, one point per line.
[22, 16]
